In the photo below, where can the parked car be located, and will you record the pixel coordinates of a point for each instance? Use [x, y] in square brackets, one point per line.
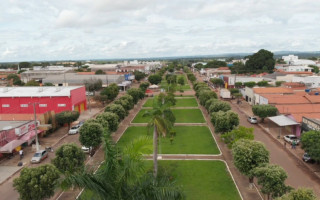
[253, 120]
[81, 123]
[307, 158]
[89, 93]
[74, 129]
[291, 138]
[85, 149]
[39, 156]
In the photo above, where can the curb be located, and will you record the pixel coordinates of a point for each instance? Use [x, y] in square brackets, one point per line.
[4, 181]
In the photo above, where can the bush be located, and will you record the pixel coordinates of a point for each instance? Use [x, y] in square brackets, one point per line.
[117, 109]
[219, 106]
[111, 118]
[224, 121]
[206, 95]
[155, 79]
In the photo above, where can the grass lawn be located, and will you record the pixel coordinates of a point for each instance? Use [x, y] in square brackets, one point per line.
[187, 102]
[182, 116]
[188, 140]
[186, 86]
[203, 180]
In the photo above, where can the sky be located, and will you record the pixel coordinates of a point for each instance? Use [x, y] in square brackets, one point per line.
[37, 30]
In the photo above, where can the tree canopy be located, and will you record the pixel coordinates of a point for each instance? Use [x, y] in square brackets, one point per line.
[224, 121]
[111, 118]
[139, 75]
[262, 61]
[236, 134]
[67, 117]
[217, 82]
[111, 91]
[99, 71]
[219, 106]
[32, 83]
[69, 158]
[249, 154]
[37, 183]
[136, 93]
[250, 84]
[155, 79]
[117, 109]
[144, 86]
[264, 111]
[91, 134]
[310, 143]
[93, 84]
[215, 64]
[299, 194]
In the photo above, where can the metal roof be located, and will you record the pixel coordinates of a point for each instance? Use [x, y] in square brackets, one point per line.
[36, 91]
[282, 120]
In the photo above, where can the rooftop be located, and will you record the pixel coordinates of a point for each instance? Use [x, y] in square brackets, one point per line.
[36, 91]
[285, 99]
[272, 90]
[298, 108]
[5, 125]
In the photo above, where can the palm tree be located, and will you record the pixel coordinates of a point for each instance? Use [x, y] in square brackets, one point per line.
[161, 120]
[123, 176]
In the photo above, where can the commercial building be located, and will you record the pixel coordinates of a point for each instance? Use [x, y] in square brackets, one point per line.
[20, 100]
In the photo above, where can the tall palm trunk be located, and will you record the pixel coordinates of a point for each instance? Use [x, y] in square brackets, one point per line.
[155, 151]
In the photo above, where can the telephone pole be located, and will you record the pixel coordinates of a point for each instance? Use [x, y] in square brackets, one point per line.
[35, 125]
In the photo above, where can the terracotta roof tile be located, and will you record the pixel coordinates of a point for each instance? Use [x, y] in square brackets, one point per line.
[286, 99]
[298, 108]
[298, 117]
[272, 90]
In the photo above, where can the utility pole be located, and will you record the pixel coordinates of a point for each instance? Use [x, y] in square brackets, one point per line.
[64, 74]
[35, 125]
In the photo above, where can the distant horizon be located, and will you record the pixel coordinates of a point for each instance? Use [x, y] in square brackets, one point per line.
[223, 55]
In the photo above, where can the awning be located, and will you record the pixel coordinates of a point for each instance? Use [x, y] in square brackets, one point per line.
[9, 147]
[282, 120]
[26, 137]
[153, 87]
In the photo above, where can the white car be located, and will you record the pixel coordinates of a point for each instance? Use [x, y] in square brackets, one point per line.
[39, 156]
[291, 138]
[74, 130]
[85, 149]
[253, 120]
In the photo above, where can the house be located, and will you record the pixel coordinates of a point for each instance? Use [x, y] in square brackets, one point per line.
[216, 72]
[309, 81]
[231, 79]
[252, 95]
[296, 68]
[20, 100]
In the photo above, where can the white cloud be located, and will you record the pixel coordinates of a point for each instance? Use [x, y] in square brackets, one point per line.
[86, 29]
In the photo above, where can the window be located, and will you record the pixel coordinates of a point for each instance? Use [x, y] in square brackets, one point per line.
[61, 105]
[23, 105]
[5, 105]
[42, 105]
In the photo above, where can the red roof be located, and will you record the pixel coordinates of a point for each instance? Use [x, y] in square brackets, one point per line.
[298, 117]
[313, 98]
[298, 108]
[285, 99]
[272, 90]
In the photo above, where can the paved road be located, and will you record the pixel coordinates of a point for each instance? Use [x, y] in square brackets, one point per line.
[298, 175]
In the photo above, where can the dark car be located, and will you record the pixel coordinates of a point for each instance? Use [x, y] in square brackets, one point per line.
[307, 158]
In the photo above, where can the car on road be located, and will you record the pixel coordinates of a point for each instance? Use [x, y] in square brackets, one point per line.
[253, 120]
[86, 149]
[307, 158]
[74, 129]
[39, 156]
[291, 138]
[88, 93]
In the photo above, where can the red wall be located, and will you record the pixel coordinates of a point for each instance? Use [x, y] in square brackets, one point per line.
[77, 97]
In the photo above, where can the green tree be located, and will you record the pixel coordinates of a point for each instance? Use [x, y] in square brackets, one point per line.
[136, 93]
[111, 118]
[162, 120]
[250, 84]
[69, 158]
[236, 134]
[167, 99]
[310, 143]
[91, 135]
[247, 155]
[234, 91]
[144, 86]
[219, 106]
[99, 71]
[261, 61]
[238, 67]
[299, 194]
[199, 66]
[37, 183]
[263, 83]
[93, 84]
[264, 111]
[123, 175]
[272, 179]
[32, 83]
[209, 102]
[206, 95]
[191, 77]
[25, 65]
[111, 91]
[15, 79]
[238, 84]
[217, 82]
[279, 83]
[48, 84]
[117, 109]
[125, 104]
[67, 117]
[315, 68]
[155, 79]
[215, 64]
[139, 75]
[171, 78]
[224, 121]
[181, 81]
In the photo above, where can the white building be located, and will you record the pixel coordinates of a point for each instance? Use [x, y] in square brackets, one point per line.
[290, 58]
[296, 68]
[309, 81]
[302, 62]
